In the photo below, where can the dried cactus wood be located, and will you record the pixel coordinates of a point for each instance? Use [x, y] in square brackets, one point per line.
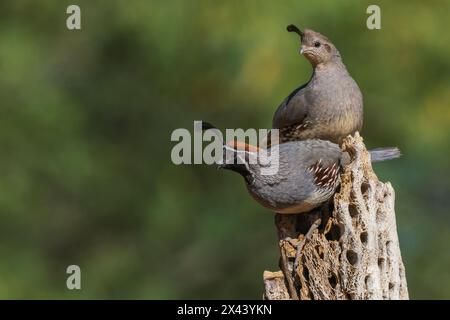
[354, 253]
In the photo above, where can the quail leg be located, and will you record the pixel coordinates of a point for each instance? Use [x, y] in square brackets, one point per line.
[302, 243]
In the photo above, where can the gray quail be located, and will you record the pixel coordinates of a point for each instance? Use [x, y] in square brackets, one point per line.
[329, 106]
[307, 176]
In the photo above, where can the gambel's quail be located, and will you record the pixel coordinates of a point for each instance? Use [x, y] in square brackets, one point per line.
[307, 176]
[329, 106]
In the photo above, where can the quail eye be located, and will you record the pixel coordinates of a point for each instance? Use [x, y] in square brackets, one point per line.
[317, 44]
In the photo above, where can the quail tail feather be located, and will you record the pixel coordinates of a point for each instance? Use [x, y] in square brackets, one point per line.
[383, 154]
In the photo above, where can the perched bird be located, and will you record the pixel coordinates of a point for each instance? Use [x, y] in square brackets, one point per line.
[307, 176]
[329, 106]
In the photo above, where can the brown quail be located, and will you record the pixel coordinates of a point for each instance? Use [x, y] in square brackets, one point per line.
[329, 106]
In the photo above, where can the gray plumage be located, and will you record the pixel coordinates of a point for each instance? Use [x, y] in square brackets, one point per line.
[330, 105]
[307, 176]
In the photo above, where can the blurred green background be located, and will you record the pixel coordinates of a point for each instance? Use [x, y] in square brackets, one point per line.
[86, 175]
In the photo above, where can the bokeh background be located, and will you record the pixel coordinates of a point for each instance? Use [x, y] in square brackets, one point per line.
[86, 119]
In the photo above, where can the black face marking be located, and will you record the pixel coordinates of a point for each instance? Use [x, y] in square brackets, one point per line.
[325, 176]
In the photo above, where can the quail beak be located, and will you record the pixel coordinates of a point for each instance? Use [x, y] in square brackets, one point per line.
[229, 157]
[306, 51]
[302, 49]
[220, 164]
